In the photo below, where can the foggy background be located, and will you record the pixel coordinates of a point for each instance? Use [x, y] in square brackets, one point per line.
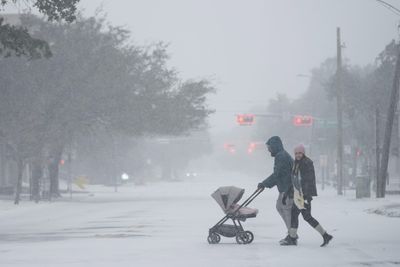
[253, 49]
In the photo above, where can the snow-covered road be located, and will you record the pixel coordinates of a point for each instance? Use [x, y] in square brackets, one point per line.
[166, 224]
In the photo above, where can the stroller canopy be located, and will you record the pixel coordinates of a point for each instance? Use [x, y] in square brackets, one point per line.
[226, 196]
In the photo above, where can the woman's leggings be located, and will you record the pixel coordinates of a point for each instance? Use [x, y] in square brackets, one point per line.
[306, 215]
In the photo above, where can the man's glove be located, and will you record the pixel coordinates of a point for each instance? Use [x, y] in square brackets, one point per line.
[260, 185]
[284, 198]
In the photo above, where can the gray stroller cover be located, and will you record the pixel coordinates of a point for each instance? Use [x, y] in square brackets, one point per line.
[227, 198]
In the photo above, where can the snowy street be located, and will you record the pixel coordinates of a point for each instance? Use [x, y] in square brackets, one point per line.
[166, 224]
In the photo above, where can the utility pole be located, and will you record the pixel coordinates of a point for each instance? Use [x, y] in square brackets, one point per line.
[394, 99]
[397, 143]
[339, 101]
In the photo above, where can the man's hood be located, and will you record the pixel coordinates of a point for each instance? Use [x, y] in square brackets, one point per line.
[275, 144]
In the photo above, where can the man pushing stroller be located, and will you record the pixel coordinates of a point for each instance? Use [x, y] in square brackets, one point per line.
[281, 178]
[301, 189]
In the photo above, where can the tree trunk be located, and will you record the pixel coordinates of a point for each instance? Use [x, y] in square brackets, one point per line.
[166, 172]
[354, 164]
[394, 98]
[18, 186]
[2, 165]
[37, 173]
[53, 168]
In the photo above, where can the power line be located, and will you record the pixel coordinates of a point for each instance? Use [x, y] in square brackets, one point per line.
[392, 8]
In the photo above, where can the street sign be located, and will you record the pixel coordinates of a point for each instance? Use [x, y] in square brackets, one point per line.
[325, 124]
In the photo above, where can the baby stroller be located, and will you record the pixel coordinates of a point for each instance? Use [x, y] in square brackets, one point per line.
[228, 197]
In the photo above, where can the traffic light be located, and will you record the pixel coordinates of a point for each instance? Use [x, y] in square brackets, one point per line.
[300, 120]
[245, 119]
[230, 148]
[253, 146]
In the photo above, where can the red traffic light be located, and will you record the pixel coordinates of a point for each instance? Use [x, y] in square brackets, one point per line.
[245, 119]
[253, 146]
[300, 120]
[230, 148]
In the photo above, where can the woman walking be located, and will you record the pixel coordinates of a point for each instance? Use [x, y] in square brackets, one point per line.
[303, 190]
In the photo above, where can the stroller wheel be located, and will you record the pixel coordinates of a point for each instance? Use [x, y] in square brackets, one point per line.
[250, 237]
[213, 238]
[242, 238]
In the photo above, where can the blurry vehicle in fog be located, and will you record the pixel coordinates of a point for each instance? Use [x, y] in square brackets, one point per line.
[191, 174]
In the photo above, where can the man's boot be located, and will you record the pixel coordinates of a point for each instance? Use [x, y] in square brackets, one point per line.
[284, 239]
[289, 241]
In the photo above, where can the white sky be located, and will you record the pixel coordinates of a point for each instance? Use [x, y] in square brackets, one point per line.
[253, 49]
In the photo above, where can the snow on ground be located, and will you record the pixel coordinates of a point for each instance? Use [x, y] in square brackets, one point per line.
[166, 224]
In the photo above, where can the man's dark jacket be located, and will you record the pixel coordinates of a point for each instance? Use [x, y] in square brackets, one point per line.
[282, 175]
[307, 175]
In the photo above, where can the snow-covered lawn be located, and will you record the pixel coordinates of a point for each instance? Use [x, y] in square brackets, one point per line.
[166, 224]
